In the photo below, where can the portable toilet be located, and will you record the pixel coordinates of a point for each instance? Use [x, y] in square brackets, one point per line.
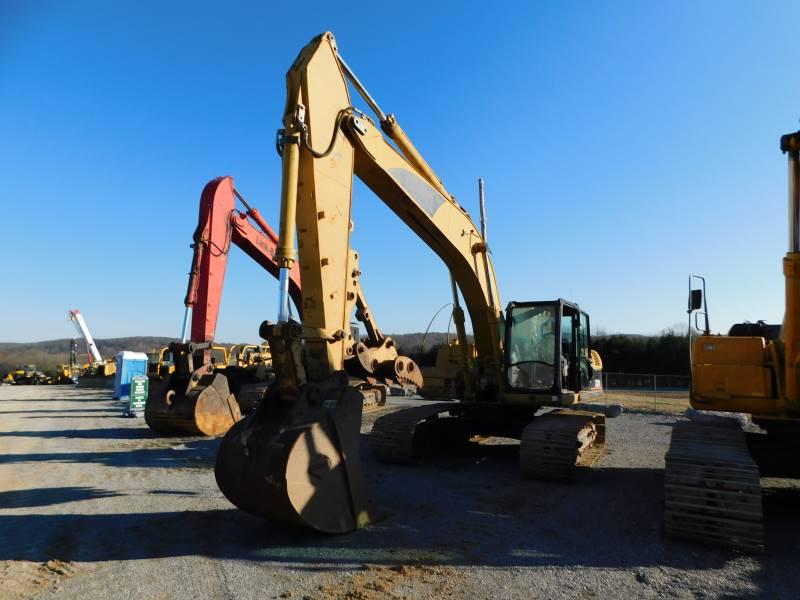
[129, 364]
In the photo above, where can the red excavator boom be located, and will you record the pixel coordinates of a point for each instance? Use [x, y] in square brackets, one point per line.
[219, 225]
[196, 398]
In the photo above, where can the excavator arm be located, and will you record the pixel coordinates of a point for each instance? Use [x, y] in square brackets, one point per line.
[324, 142]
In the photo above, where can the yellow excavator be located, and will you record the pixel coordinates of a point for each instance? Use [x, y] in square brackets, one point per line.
[712, 487]
[296, 458]
[248, 355]
[68, 373]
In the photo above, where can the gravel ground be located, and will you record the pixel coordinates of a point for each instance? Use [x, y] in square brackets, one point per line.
[93, 505]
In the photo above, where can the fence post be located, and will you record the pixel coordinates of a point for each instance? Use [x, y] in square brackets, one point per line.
[655, 392]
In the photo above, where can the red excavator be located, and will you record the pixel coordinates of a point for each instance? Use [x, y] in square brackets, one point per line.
[199, 397]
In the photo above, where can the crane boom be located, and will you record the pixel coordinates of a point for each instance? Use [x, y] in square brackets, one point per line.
[80, 324]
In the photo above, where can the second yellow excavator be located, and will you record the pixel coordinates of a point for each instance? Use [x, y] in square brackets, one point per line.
[296, 458]
[713, 469]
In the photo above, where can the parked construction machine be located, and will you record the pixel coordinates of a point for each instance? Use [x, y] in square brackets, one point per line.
[28, 375]
[96, 367]
[296, 458]
[201, 400]
[248, 355]
[712, 490]
[68, 373]
[159, 363]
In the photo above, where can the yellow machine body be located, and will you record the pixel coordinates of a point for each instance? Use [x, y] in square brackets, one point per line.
[733, 374]
[752, 374]
[713, 468]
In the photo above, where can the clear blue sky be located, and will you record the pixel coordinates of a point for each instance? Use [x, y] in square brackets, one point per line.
[624, 145]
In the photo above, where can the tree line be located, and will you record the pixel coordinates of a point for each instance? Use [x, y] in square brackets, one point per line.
[664, 354]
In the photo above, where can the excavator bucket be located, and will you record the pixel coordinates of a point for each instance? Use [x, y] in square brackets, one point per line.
[299, 461]
[200, 404]
[296, 459]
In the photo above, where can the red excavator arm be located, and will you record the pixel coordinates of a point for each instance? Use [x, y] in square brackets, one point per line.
[195, 398]
[219, 224]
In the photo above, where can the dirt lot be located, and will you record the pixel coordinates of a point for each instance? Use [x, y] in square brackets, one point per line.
[92, 505]
[671, 403]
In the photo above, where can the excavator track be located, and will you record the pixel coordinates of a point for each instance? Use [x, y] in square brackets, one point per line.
[397, 437]
[712, 488]
[556, 443]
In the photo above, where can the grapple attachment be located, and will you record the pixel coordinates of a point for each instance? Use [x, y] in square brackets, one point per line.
[382, 363]
[296, 458]
[199, 403]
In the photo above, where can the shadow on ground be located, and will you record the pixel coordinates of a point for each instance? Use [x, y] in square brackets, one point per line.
[465, 510]
[196, 453]
[100, 433]
[52, 412]
[50, 496]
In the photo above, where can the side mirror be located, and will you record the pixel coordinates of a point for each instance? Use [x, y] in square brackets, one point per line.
[695, 300]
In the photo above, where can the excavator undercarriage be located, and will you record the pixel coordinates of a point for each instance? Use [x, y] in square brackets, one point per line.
[552, 445]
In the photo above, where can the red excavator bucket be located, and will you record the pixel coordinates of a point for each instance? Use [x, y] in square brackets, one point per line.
[200, 404]
[296, 458]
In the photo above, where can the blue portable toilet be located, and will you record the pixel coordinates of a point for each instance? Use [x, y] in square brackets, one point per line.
[129, 364]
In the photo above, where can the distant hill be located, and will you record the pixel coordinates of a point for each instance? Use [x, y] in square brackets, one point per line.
[48, 354]
[632, 353]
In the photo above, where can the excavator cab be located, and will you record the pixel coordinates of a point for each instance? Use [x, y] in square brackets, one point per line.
[548, 348]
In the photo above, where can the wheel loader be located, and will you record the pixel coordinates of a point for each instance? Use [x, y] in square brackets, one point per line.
[297, 457]
[712, 487]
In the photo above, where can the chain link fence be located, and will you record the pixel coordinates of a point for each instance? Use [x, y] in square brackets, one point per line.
[662, 393]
